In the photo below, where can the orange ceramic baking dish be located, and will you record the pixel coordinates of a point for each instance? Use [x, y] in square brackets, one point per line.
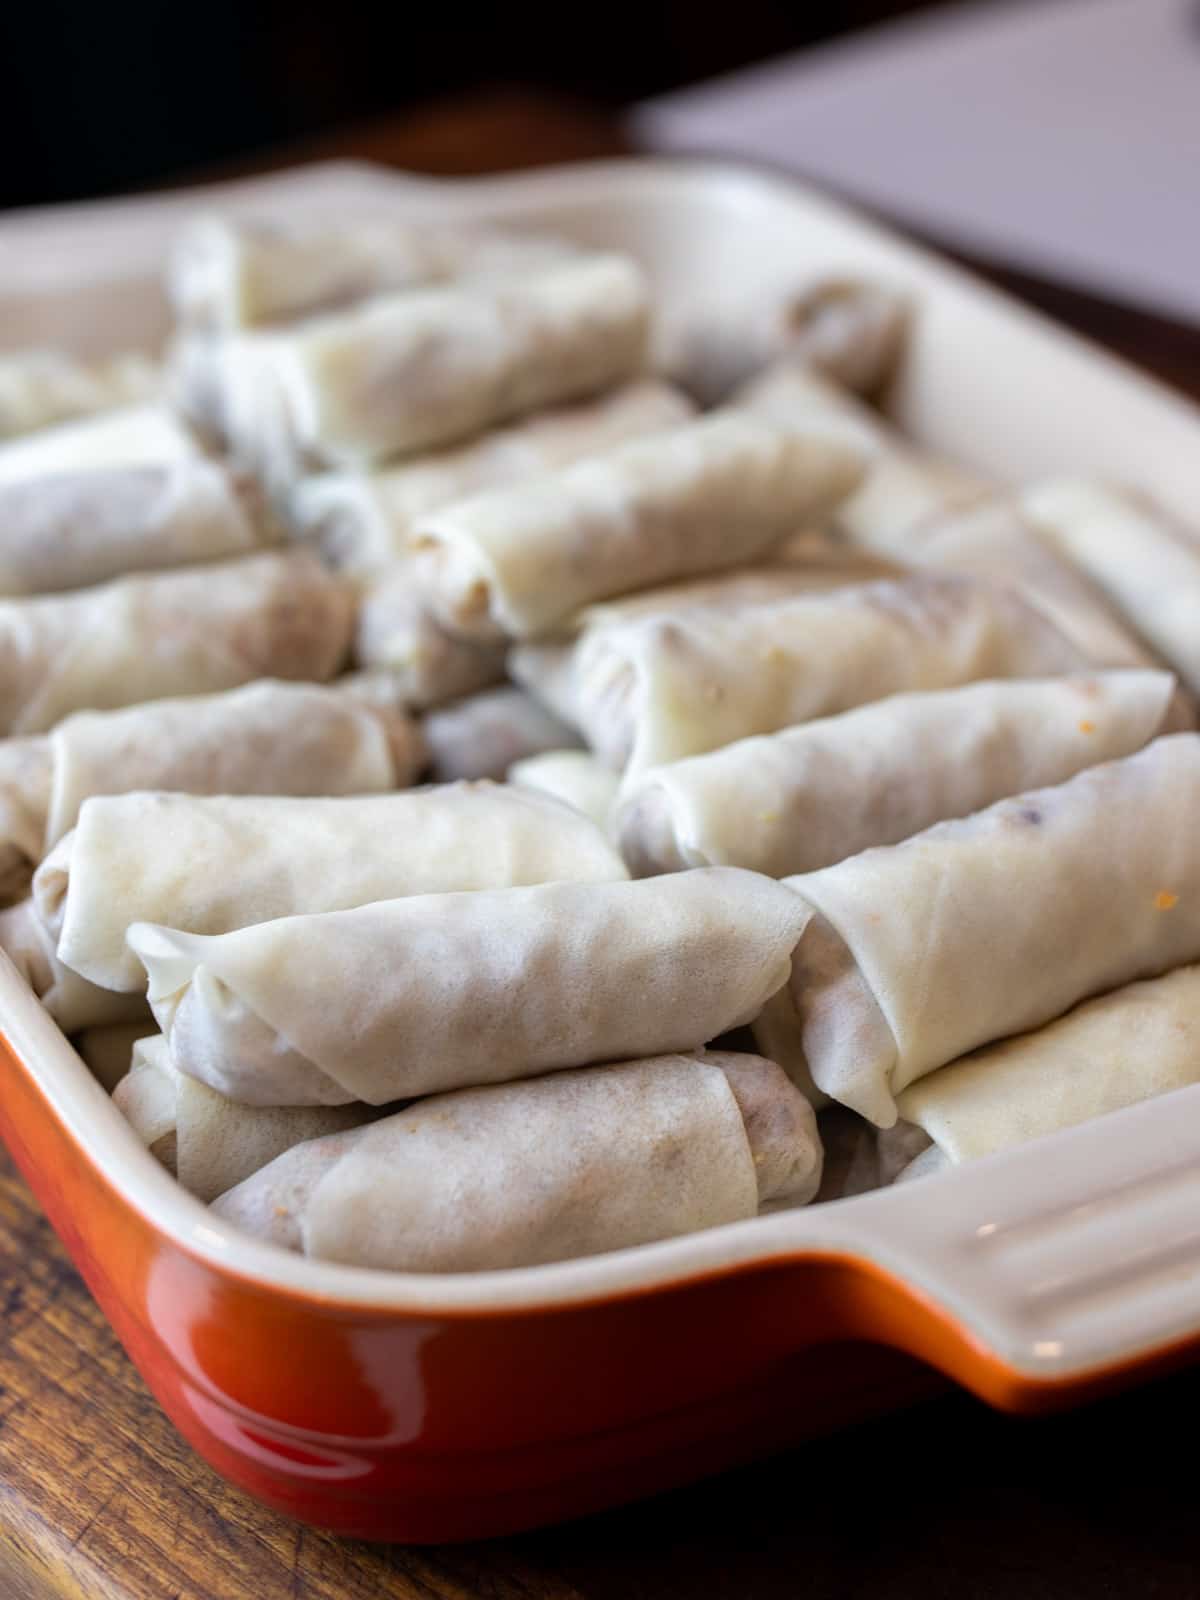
[431, 1408]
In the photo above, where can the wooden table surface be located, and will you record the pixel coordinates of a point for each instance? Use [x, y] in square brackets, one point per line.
[101, 1500]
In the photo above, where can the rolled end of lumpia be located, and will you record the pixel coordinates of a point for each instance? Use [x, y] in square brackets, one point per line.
[206, 1141]
[398, 634]
[72, 1001]
[564, 1166]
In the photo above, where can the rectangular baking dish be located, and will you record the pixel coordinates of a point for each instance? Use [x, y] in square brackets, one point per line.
[429, 1408]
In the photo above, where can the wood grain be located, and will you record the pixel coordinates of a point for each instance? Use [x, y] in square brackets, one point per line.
[101, 1500]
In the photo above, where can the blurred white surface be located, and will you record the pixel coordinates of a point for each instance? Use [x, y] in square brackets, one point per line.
[1058, 135]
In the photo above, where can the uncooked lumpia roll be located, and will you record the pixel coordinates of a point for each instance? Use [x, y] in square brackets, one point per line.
[137, 436]
[72, 1001]
[41, 387]
[361, 522]
[1146, 564]
[399, 635]
[107, 1051]
[267, 738]
[212, 863]
[546, 667]
[658, 690]
[976, 929]
[72, 529]
[208, 1142]
[903, 484]
[566, 1166]
[809, 796]
[227, 273]
[844, 328]
[991, 539]
[712, 494]
[482, 736]
[174, 633]
[409, 997]
[413, 371]
[574, 777]
[1140, 1041]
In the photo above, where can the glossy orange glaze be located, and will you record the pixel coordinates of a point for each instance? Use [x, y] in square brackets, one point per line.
[391, 1425]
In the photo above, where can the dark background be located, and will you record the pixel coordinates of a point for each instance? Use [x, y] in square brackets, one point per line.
[96, 97]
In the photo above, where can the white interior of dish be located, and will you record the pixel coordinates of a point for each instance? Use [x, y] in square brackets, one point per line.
[1076, 1251]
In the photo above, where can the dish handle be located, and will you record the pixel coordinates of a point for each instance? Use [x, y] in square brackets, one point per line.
[1046, 1273]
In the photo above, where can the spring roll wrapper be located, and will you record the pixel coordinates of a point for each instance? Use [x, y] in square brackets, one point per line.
[179, 633]
[658, 690]
[573, 776]
[810, 796]
[107, 1050]
[991, 539]
[136, 436]
[224, 274]
[71, 1000]
[1147, 564]
[713, 494]
[41, 387]
[482, 736]
[1137, 1042]
[208, 1142]
[398, 634]
[411, 372]
[208, 864]
[69, 530]
[847, 330]
[446, 1185]
[361, 522]
[409, 997]
[903, 485]
[992, 925]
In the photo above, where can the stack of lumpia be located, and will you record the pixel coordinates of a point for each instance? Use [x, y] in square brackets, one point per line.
[761, 729]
